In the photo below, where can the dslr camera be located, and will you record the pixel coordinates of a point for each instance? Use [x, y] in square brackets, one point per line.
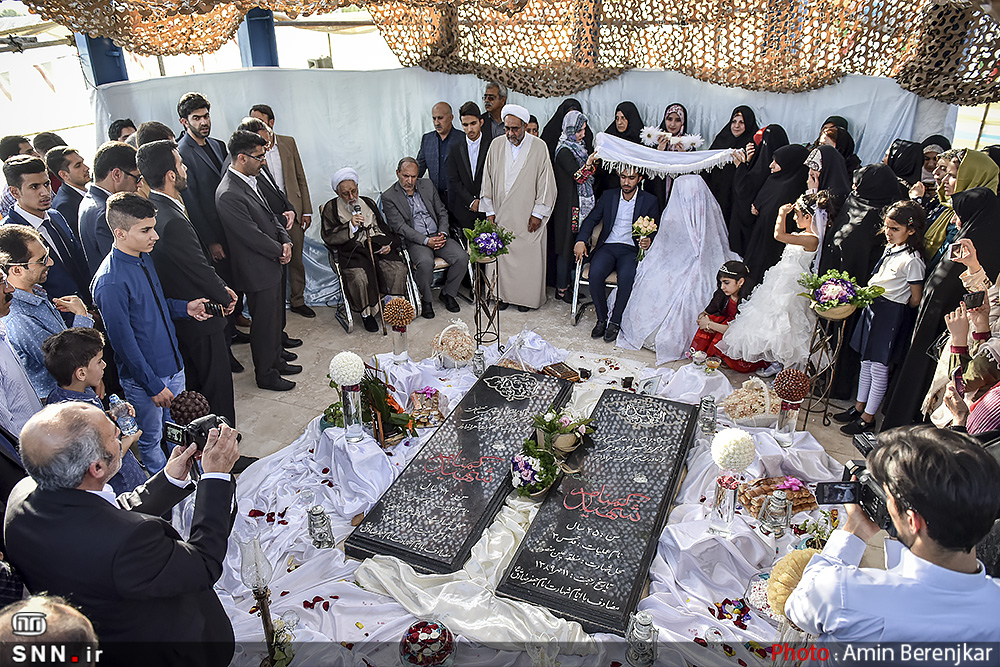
[195, 432]
[871, 495]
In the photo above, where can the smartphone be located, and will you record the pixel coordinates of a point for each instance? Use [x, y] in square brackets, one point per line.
[974, 299]
[959, 378]
[213, 309]
[956, 251]
[838, 493]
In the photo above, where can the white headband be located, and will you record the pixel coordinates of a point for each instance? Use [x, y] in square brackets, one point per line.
[345, 174]
[515, 110]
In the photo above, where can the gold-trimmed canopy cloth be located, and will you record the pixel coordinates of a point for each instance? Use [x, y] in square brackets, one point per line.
[947, 50]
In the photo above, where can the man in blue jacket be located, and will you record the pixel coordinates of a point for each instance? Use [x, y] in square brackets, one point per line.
[435, 147]
[138, 319]
[616, 249]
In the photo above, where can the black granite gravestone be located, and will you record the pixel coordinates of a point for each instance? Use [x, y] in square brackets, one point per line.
[588, 550]
[440, 504]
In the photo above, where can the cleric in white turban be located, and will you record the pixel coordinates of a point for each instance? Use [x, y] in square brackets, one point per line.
[355, 230]
[519, 191]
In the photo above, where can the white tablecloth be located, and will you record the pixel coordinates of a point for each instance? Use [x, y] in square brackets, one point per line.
[370, 604]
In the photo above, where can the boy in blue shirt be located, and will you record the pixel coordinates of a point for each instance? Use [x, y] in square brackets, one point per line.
[75, 359]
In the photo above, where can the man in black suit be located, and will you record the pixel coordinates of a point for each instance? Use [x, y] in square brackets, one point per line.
[260, 247]
[114, 171]
[29, 183]
[204, 157]
[616, 249]
[123, 566]
[68, 165]
[186, 268]
[465, 166]
[416, 213]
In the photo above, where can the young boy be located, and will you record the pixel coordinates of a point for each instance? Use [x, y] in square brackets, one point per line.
[75, 358]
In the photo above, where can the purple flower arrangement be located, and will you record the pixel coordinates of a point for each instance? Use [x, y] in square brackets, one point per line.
[524, 470]
[487, 241]
[489, 244]
[835, 292]
[836, 288]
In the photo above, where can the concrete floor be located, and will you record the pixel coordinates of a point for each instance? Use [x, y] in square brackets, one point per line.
[271, 420]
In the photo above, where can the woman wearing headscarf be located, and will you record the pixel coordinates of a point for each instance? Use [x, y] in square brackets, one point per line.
[627, 123]
[932, 146]
[736, 134]
[574, 173]
[831, 122]
[964, 169]
[977, 211]
[675, 121]
[552, 131]
[841, 139]
[906, 159]
[749, 179]
[786, 182]
[828, 171]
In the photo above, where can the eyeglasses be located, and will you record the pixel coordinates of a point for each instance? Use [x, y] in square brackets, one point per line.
[508, 128]
[138, 179]
[488, 97]
[43, 261]
[259, 158]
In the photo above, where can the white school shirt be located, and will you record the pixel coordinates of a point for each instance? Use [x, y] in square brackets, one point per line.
[897, 270]
[911, 600]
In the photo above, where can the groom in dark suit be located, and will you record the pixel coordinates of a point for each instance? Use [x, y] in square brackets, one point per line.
[125, 568]
[465, 166]
[260, 248]
[616, 249]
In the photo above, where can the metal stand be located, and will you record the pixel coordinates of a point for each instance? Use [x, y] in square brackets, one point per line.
[824, 351]
[485, 292]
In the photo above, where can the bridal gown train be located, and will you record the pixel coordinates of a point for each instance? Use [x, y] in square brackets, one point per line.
[676, 280]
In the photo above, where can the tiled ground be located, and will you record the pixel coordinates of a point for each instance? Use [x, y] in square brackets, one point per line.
[270, 420]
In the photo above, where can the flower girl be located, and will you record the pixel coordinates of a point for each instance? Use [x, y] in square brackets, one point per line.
[776, 323]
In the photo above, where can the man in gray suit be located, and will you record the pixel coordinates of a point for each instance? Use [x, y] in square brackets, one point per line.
[259, 246]
[416, 213]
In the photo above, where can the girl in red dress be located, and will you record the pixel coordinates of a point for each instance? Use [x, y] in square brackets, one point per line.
[722, 310]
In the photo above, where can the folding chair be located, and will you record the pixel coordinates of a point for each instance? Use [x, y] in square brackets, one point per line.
[581, 277]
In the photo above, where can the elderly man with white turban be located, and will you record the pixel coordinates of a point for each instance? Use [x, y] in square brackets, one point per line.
[349, 223]
[519, 191]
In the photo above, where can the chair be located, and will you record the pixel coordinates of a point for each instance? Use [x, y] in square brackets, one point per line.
[581, 277]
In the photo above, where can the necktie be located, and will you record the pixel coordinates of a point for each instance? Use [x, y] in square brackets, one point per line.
[159, 306]
[57, 238]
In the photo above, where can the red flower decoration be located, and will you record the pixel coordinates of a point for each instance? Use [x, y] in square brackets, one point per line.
[255, 514]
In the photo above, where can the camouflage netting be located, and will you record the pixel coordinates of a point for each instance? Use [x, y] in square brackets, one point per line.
[947, 51]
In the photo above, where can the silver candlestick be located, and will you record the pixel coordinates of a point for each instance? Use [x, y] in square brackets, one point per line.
[319, 528]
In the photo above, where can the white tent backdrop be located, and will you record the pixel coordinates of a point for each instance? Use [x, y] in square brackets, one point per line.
[368, 120]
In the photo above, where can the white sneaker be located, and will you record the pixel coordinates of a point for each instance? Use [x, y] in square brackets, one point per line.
[773, 369]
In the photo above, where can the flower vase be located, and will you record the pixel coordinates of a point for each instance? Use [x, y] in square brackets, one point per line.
[564, 444]
[724, 509]
[351, 398]
[788, 420]
[399, 351]
[538, 495]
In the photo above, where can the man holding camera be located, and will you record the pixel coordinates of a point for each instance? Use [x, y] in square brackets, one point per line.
[181, 255]
[125, 568]
[943, 496]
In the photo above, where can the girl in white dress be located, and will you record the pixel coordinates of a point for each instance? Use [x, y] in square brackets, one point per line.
[776, 324]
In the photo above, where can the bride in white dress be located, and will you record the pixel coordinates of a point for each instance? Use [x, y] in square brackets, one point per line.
[776, 323]
[676, 280]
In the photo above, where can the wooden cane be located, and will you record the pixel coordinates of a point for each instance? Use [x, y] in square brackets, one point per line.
[371, 253]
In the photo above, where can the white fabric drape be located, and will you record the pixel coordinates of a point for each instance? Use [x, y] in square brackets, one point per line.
[616, 153]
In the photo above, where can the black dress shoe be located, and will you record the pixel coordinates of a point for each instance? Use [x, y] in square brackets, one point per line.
[281, 384]
[289, 342]
[598, 329]
[427, 310]
[371, 324]
[847, 416]
[611, 334]
[857, 426]
[450, 303]
[286, 368]
[523, 309]
[303, 310]
[240, 338]
[503, 305]
[234, 364]
[288, 356]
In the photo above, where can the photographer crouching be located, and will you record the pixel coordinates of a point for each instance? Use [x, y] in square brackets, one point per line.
[943, 495]
[125, 568]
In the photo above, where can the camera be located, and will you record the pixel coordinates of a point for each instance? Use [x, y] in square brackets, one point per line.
[872, 496]
[195, 432]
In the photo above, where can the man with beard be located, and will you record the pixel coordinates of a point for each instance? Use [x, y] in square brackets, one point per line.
[260, 248]
[139, 320]
[181, 255]
[114, 171]
[204, 158]
[29, 182]
[33, 318]
[942, 496]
